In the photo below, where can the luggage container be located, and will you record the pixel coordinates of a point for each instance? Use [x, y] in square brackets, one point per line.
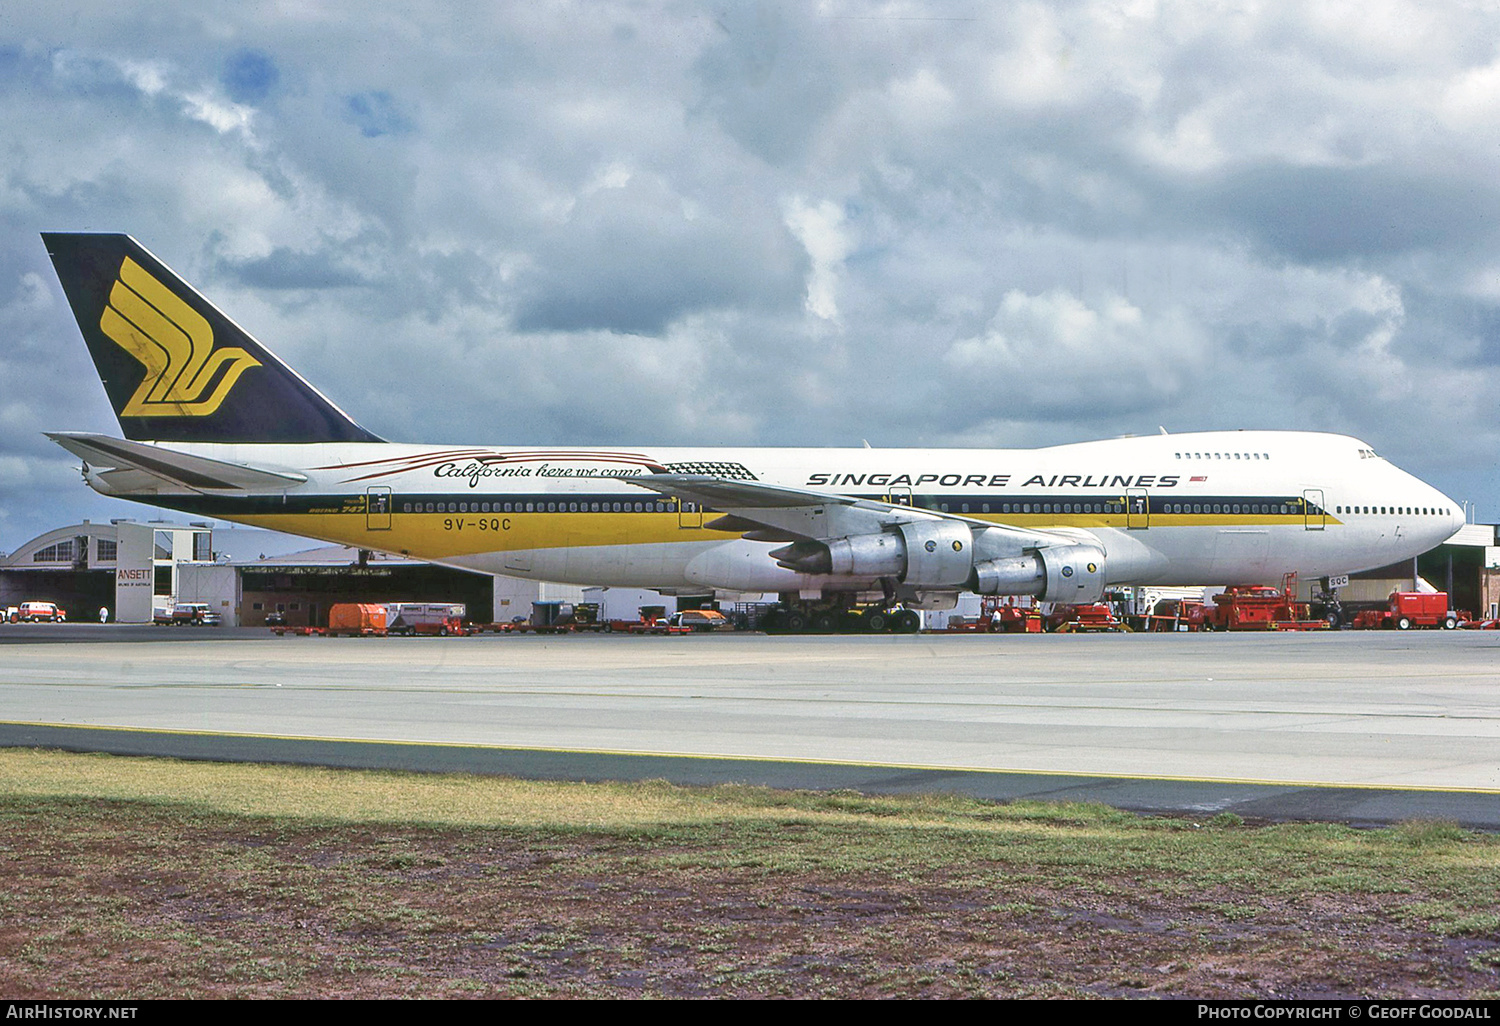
[357, 619]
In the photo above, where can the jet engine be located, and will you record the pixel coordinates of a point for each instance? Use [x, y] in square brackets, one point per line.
[924, 554]
[1073, 574]
[941, 554]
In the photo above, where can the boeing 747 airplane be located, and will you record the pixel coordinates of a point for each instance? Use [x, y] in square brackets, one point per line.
[215, 425]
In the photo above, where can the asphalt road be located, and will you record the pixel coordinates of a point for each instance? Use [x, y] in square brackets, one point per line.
[1355, 726]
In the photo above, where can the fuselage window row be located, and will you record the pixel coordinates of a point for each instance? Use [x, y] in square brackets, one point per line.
[543, 507]
[1015, 508]
[1222, 455]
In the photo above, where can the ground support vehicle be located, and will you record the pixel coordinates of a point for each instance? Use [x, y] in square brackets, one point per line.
[1141, 607]
[1407, 609]
[1000, 616]
[1174, 614]
[1248, 608]
[1094, 618]
[1258, 608]
[41, 612]
[557, 618]
[652, 620]
[357, 619]
[1009, 619]
[1237, 608]
[380, 619]
[583, 617]
[1327, 605]
[965, 625]
[531, 628]
[701, 620]
[643, 626]
[440, 618]
[194, 614]
[746, 616]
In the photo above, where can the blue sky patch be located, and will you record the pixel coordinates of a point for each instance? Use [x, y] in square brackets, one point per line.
[375, 113]
[249, 76]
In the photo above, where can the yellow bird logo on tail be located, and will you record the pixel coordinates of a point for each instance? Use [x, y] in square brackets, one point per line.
[174, 343]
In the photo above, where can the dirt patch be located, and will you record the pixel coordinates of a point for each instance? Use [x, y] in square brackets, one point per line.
[107, 899]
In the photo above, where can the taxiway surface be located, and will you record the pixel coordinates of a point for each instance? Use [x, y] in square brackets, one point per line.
[1355, 712]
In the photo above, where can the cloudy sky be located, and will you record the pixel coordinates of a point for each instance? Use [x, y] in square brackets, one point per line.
[801, 223]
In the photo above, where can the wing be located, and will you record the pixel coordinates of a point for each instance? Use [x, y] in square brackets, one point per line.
[924, 550]
[139, 467]
[776, 513]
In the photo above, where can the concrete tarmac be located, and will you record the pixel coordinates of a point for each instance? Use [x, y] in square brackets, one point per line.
[1359, 726]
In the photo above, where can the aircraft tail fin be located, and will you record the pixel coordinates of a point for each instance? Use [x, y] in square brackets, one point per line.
[176, 369]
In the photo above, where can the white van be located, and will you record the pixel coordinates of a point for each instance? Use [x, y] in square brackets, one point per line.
[41, 612]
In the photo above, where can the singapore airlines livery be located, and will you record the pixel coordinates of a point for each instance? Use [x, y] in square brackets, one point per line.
[216, 425]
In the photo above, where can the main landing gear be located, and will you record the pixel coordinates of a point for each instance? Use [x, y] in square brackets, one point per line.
[804, 618]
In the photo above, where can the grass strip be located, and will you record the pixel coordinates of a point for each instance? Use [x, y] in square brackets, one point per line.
[152, 877]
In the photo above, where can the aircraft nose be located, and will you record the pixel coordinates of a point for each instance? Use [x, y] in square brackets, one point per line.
[1455, 517]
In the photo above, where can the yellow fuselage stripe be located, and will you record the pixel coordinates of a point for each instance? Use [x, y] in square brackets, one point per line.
[445, 535]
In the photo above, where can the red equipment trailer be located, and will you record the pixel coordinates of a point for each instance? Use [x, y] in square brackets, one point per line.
[1407, 609]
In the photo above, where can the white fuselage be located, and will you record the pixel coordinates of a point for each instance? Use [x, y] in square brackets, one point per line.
[1217, 507]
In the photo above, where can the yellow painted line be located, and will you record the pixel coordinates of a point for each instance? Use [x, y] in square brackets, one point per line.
[990, 770]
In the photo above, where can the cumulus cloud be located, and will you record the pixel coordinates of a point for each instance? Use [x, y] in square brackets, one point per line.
[820, 228]
[1051, 356]
[781, 223]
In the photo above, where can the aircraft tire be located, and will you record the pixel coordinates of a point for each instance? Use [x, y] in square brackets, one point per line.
[908, 621]
[796, 622]
[877, 621]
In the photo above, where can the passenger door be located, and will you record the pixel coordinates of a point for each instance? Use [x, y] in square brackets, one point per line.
[378, 508]
[1313, 516]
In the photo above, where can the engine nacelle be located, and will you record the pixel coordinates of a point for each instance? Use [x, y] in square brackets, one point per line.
[1013, 575]
[1071, 574]
[939, 553]
[1075, 573]
[868, 555]
[925, 554]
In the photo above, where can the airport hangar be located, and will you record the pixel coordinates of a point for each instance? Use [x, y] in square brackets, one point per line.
[130, 568]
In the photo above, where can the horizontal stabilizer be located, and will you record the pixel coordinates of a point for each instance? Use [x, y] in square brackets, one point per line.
[152, 464]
